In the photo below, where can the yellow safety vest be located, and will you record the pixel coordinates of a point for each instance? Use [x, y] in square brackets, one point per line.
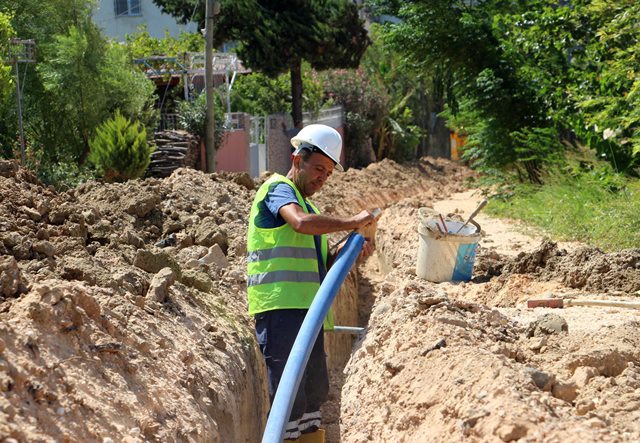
[282, 264]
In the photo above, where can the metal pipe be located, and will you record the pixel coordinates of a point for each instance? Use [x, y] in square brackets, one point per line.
[299, 355]
[349, 330]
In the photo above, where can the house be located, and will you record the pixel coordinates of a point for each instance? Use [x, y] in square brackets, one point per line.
[117, 18]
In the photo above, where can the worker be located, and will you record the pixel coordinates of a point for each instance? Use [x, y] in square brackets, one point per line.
[287, 259]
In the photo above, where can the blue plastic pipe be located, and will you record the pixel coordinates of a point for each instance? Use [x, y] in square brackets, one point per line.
[299, 356]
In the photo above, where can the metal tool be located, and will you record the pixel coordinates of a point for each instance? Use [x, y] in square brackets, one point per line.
[482, 204]
[444, 225]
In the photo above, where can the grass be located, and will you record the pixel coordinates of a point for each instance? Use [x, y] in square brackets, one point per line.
[602, 211]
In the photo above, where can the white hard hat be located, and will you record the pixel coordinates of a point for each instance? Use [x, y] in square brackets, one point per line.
[323, 137]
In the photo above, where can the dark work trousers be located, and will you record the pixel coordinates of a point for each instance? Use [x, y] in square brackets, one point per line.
[276, 332]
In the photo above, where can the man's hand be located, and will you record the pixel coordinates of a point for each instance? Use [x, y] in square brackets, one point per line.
[367, 248]
[362, 219]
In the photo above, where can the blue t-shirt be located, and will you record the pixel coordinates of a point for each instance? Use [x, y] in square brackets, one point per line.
[279, 195]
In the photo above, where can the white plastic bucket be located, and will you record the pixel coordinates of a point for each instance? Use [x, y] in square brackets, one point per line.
[446, 257]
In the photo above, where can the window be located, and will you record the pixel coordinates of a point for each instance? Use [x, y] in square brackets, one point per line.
[127, 7]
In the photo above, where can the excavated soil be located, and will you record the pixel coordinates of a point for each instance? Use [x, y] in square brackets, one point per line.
[122, 311]
[469, 361]
[123, 319]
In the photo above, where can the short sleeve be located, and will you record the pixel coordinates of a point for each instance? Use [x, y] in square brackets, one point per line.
[279, 195]
[282, 194]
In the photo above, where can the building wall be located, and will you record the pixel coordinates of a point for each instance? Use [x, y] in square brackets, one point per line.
[233, 154]
[279, 147]
[156, 22]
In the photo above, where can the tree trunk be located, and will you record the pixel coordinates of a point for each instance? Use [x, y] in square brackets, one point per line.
[296, 93]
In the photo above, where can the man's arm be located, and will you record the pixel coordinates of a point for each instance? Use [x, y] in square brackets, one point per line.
[316, 224]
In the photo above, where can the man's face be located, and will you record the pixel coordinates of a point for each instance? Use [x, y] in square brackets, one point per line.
[311, 175]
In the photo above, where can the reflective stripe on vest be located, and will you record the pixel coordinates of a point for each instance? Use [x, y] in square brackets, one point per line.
[283, 276]
[281, 252]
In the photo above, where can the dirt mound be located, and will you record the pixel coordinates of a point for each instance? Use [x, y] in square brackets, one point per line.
[450, 370]
[587, 268]
[123, 313]
[123, 306]
[383, 183]
[438, 363]
[123, 318]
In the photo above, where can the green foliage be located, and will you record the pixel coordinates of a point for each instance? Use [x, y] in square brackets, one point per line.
[590, 204]
[580, 60]
[192, 117]
[404, 137]
[6, 33]
[68, 76]
[258, 94]
[120, 150]
[399, 134]
[65, 175]
[40, 20]
[77, 82]
[277, 36]
[611, 104]
[524, 69]
[84, 78]
[8, 117]
[141, 44]
[488, 101]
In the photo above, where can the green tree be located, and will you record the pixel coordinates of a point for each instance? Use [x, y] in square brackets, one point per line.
[503, 114]
[120, 150]
[192, 117]
[85, 78]
[530, 75]
[276, 36]
[6, 86]
[611, 104]
[6, 33]
[365, 104]
[78, 81]
[259, 94]
[407, 131]
[142, 44]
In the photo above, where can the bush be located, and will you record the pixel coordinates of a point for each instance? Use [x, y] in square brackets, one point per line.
[258, 94]
[65, 175]
[120, 150]
[192, 117]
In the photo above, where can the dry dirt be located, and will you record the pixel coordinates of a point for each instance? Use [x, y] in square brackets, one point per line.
[468, 361]
[123, 319]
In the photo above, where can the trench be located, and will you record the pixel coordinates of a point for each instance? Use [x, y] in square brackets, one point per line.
[353, 305]
[355, 301]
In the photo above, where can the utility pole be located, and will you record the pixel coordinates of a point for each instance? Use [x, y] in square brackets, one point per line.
[212, 9]
[23, 159]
